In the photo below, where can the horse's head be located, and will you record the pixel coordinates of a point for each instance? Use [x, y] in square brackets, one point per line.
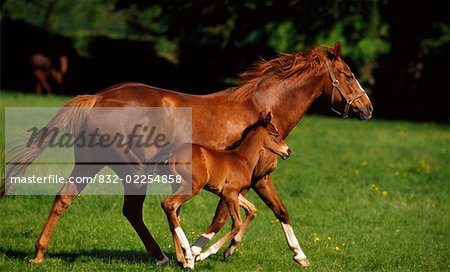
[272, 139]
[347, 96]
[58, 71]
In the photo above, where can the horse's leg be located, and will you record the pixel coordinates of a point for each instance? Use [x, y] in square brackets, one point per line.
[266, 190]
[38, 88]
[171, 207]
[61, 203]
[42, 79]
[134, 196]
[178, 248]
[132, 210]
[232, 200]
[38, 76]
[250, 211]
[219, 220]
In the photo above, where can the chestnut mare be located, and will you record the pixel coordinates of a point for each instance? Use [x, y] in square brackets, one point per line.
[285, 86]
[47, 72]
[225, 173]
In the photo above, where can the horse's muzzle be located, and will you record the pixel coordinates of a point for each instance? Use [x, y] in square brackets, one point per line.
[286, 155]
[364, 112]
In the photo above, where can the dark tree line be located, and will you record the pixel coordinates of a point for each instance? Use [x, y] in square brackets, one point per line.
[399, 49]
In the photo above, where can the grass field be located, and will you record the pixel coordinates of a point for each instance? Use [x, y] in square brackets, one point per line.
[363, 196]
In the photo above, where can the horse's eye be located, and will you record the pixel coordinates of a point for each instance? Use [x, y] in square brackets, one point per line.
[349, 78]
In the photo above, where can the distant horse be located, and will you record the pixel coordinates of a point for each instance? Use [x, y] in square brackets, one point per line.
[225, 173]
[47, 73]
[285, 86]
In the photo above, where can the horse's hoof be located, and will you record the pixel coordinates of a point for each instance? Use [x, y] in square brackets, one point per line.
[228, 252]
[164, 261]
[36, 260]
[302, 261]
[196, 251]
[200, 257]
[189, 264]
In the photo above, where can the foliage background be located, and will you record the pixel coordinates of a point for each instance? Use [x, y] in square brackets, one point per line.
[399, 49]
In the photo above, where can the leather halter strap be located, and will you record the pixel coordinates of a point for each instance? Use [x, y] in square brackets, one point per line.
[348, 100]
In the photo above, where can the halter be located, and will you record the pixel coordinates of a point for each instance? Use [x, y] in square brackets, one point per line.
[335, 85]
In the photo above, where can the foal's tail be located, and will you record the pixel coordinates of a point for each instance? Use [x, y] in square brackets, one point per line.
[71, 117]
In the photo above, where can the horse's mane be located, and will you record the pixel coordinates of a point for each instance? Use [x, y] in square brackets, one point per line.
[285, 66]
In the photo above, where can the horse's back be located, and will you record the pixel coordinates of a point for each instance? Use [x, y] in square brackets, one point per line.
[135, 95]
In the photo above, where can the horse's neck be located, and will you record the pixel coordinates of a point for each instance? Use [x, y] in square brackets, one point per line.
[250, 147]
[289, 102]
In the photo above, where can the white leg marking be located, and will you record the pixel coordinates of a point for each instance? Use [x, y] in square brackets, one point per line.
[212, 250]
[209, 235]
[294, 244]
[185, 244]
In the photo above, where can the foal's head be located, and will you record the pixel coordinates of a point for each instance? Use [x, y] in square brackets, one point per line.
[271, 139]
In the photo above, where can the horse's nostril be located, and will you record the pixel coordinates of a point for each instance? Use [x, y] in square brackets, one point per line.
[370, 108]
[289, 151]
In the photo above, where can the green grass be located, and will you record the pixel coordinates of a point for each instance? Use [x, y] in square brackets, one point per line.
[378, 189]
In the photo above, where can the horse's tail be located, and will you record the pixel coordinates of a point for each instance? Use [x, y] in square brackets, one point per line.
[71, 116]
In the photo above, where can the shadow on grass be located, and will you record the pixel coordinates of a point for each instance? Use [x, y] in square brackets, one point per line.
[129, 256]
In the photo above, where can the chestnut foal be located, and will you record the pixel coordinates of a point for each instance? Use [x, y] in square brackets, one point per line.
[225, 173]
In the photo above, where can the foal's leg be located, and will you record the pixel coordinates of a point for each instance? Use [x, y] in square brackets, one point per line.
[219, 220]
[232, 201]
[171, 207]
[250, 211]
[178, 248]
[62, 201]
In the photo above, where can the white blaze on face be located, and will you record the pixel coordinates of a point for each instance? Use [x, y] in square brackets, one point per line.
[361, 88]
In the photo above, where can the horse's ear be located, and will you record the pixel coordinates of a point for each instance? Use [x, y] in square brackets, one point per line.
[269, 117]
[261, 116]
[337, 49]
[334, 52]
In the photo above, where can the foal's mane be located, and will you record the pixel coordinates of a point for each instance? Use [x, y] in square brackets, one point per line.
[300, 64]
[260, 122]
